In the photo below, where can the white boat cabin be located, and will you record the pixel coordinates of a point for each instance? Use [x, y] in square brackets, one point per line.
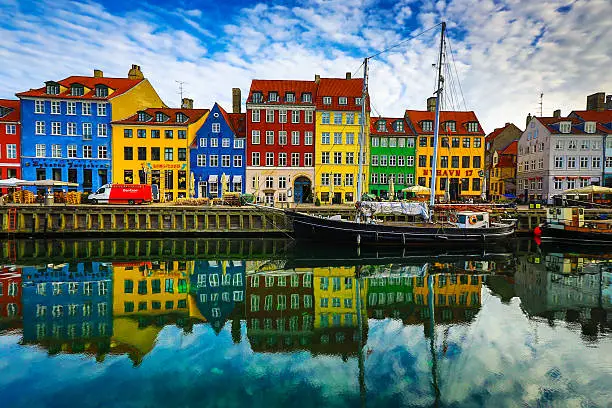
[472, 219]
[561, 216]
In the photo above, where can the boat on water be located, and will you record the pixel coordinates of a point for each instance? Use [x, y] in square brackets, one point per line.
[461, 226]
[567, 224]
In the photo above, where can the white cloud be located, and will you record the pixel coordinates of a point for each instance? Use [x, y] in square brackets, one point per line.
[501, 71]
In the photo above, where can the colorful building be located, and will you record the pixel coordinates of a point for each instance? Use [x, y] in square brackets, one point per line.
[10, 297]
[68, 307]
[152, 147]
[460, 166]
[218, 154]
[392, 155]
[604, 120]
[10, 139]
[495, 141]
[66, 125]
[502, 174]
[338, 126]
[280, 140]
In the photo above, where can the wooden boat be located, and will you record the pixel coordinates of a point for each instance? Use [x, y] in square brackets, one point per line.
[567, 224]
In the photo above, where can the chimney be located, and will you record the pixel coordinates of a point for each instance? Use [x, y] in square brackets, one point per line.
[609, 102]
[596, 101]
[431, 104]
[507, 124]
[317, 78]
[348, 75]
[557, 113]
[236, 100]
[98, 73]
[135, 72]
[187, 103]
[527, 120]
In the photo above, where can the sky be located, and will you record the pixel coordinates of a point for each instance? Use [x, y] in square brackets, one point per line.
[502, 54]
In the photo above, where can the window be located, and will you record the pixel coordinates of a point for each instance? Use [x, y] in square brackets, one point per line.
[269, 116]
[349, 179]
[71, 129]
[295, 159]
[269, 137]
[182, 154]
[102, 152]
[282, 137]
[282, 159]
[410, 161]
[472, 126]
[608, 161]
[350, 138]
[295, 116]
[201, 160]
[357, 101]
[225, 160]
[255, 115]
[465, 162]
[40, 128]
[559, 144]
[56, 128]
[155, 133]
[56, 151]
[559, 184]
[337, 157]
[383, 160]
[541, 163]
[55, 107]
[427, 125]
[307, 159]
[451, 126]
[70, 108]
[325, 179]
[325, 139]
[466, 142]
[584, 162]
[455, 162]
[476, 184]
[102, 130]
[238, 143]
[237, 161]
[392, 142]
[86, 108]
[11, 151]
[422, 160]
[101, 109]
[308, 138]
[327, 100]
[41, 150]
[225, 142]
[282, 116]
[269, 159]
[72, 151]
[269, 182]
[213, 160]
[87, 152]
[168, 134]
[572, 144]
[255, 158]
[374, 178]
[216, 127]
[478, 142]
[338, 138]
[350, 158]
[401, 161]
[585, 144]
[565, 127]
[308, 116]
[444, 162]
[142, 153]
[255, 137]
[337, 118]
[477, 161]
[392, 160]
[39, 107]
[337, 179]
[374, 160]
[325, 117]
[350, 118]
[325, 157]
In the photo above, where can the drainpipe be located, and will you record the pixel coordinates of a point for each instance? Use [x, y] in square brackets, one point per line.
[603, 165]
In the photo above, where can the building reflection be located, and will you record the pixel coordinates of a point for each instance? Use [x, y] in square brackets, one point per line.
[568, 287]
[68, 307]
[10, 298]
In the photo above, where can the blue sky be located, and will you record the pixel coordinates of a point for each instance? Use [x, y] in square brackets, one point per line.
[506, 51]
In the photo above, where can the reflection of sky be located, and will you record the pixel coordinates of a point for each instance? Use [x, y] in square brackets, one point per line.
[499, 359]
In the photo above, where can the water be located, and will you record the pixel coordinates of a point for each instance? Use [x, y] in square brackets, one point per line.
[148, 323]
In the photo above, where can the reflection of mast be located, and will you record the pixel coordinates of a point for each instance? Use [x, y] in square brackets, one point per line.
[432, 343]
[362, 384]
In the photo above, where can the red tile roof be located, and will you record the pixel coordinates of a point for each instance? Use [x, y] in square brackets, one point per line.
[13, 113]
[193, 116]
[337, 87]
[552, 125]
[491, 136]
[237, 122]
[506, 161]
[282, 87]
[511, 149]
[594, 116]
[119, 85]
[389, 130]
[460, 117]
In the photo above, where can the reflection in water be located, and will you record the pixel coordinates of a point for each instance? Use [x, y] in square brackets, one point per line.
[352, 328]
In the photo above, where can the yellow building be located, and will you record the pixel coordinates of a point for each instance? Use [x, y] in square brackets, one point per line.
[152, 147]
[503, 172]
[450, 290]
[338, 128]
[460, 164]
[335, 297]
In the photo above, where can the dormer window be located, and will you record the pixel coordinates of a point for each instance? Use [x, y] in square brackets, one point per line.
[427, 125]
[589, 127]
[273, 97]
[327, 100]
[307, 97]
[451, 126]
[53, 88]
[358, 101]
[398, 126]
[101, 91]
[161, 117]
[143, 117]
[343, 100]
[4, 111]
[181, 117]
[381, 126]
[257, 97]
[289, 97]
[565, 127]
[472, 126]
[77, 90]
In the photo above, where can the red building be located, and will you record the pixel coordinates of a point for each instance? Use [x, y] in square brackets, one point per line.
[10, 297]
[10, 135]
[280, 140]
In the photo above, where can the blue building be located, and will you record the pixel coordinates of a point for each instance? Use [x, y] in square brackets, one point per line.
[218, 153]
[68, 307]
[218, 288]
[66, 125]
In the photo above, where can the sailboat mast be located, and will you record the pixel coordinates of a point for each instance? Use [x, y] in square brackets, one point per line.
[440, 84]
[362, 133]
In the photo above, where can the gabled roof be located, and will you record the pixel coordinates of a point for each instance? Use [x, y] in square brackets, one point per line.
[118, 85]
[282, 87]
[491, 136]
[552, 124]
[337, 87]
[389, 130]
[511, 149]
[237, 122]
[593, 116]
[462, 118]
[505, 161]
[193, 115]
[12, 106]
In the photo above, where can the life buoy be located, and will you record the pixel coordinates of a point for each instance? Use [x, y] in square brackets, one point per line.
[452, 218]
[473, 219]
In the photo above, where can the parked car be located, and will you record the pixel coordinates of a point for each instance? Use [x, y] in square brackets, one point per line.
[123, 194]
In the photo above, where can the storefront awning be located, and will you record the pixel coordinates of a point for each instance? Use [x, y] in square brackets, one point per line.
[237, 179]
[213, 178]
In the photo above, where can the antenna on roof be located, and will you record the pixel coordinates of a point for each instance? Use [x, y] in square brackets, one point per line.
[180, 85]
[541, 103]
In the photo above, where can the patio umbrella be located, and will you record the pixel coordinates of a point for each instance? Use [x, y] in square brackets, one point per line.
[589, 190]
[11, 182]
[417, 190]
[391, 188]
[48, 183]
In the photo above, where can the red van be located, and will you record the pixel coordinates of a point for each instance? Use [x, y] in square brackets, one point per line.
[122, 194]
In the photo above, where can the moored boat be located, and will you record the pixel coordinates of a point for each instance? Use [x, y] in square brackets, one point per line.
[567, 224]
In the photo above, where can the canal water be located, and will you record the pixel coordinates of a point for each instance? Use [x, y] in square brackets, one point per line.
[260, 323]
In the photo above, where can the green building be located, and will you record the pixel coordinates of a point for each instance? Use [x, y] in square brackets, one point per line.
[392, 153]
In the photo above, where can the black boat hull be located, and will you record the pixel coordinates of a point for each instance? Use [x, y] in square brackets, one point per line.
[311, 228]
[575, 237]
